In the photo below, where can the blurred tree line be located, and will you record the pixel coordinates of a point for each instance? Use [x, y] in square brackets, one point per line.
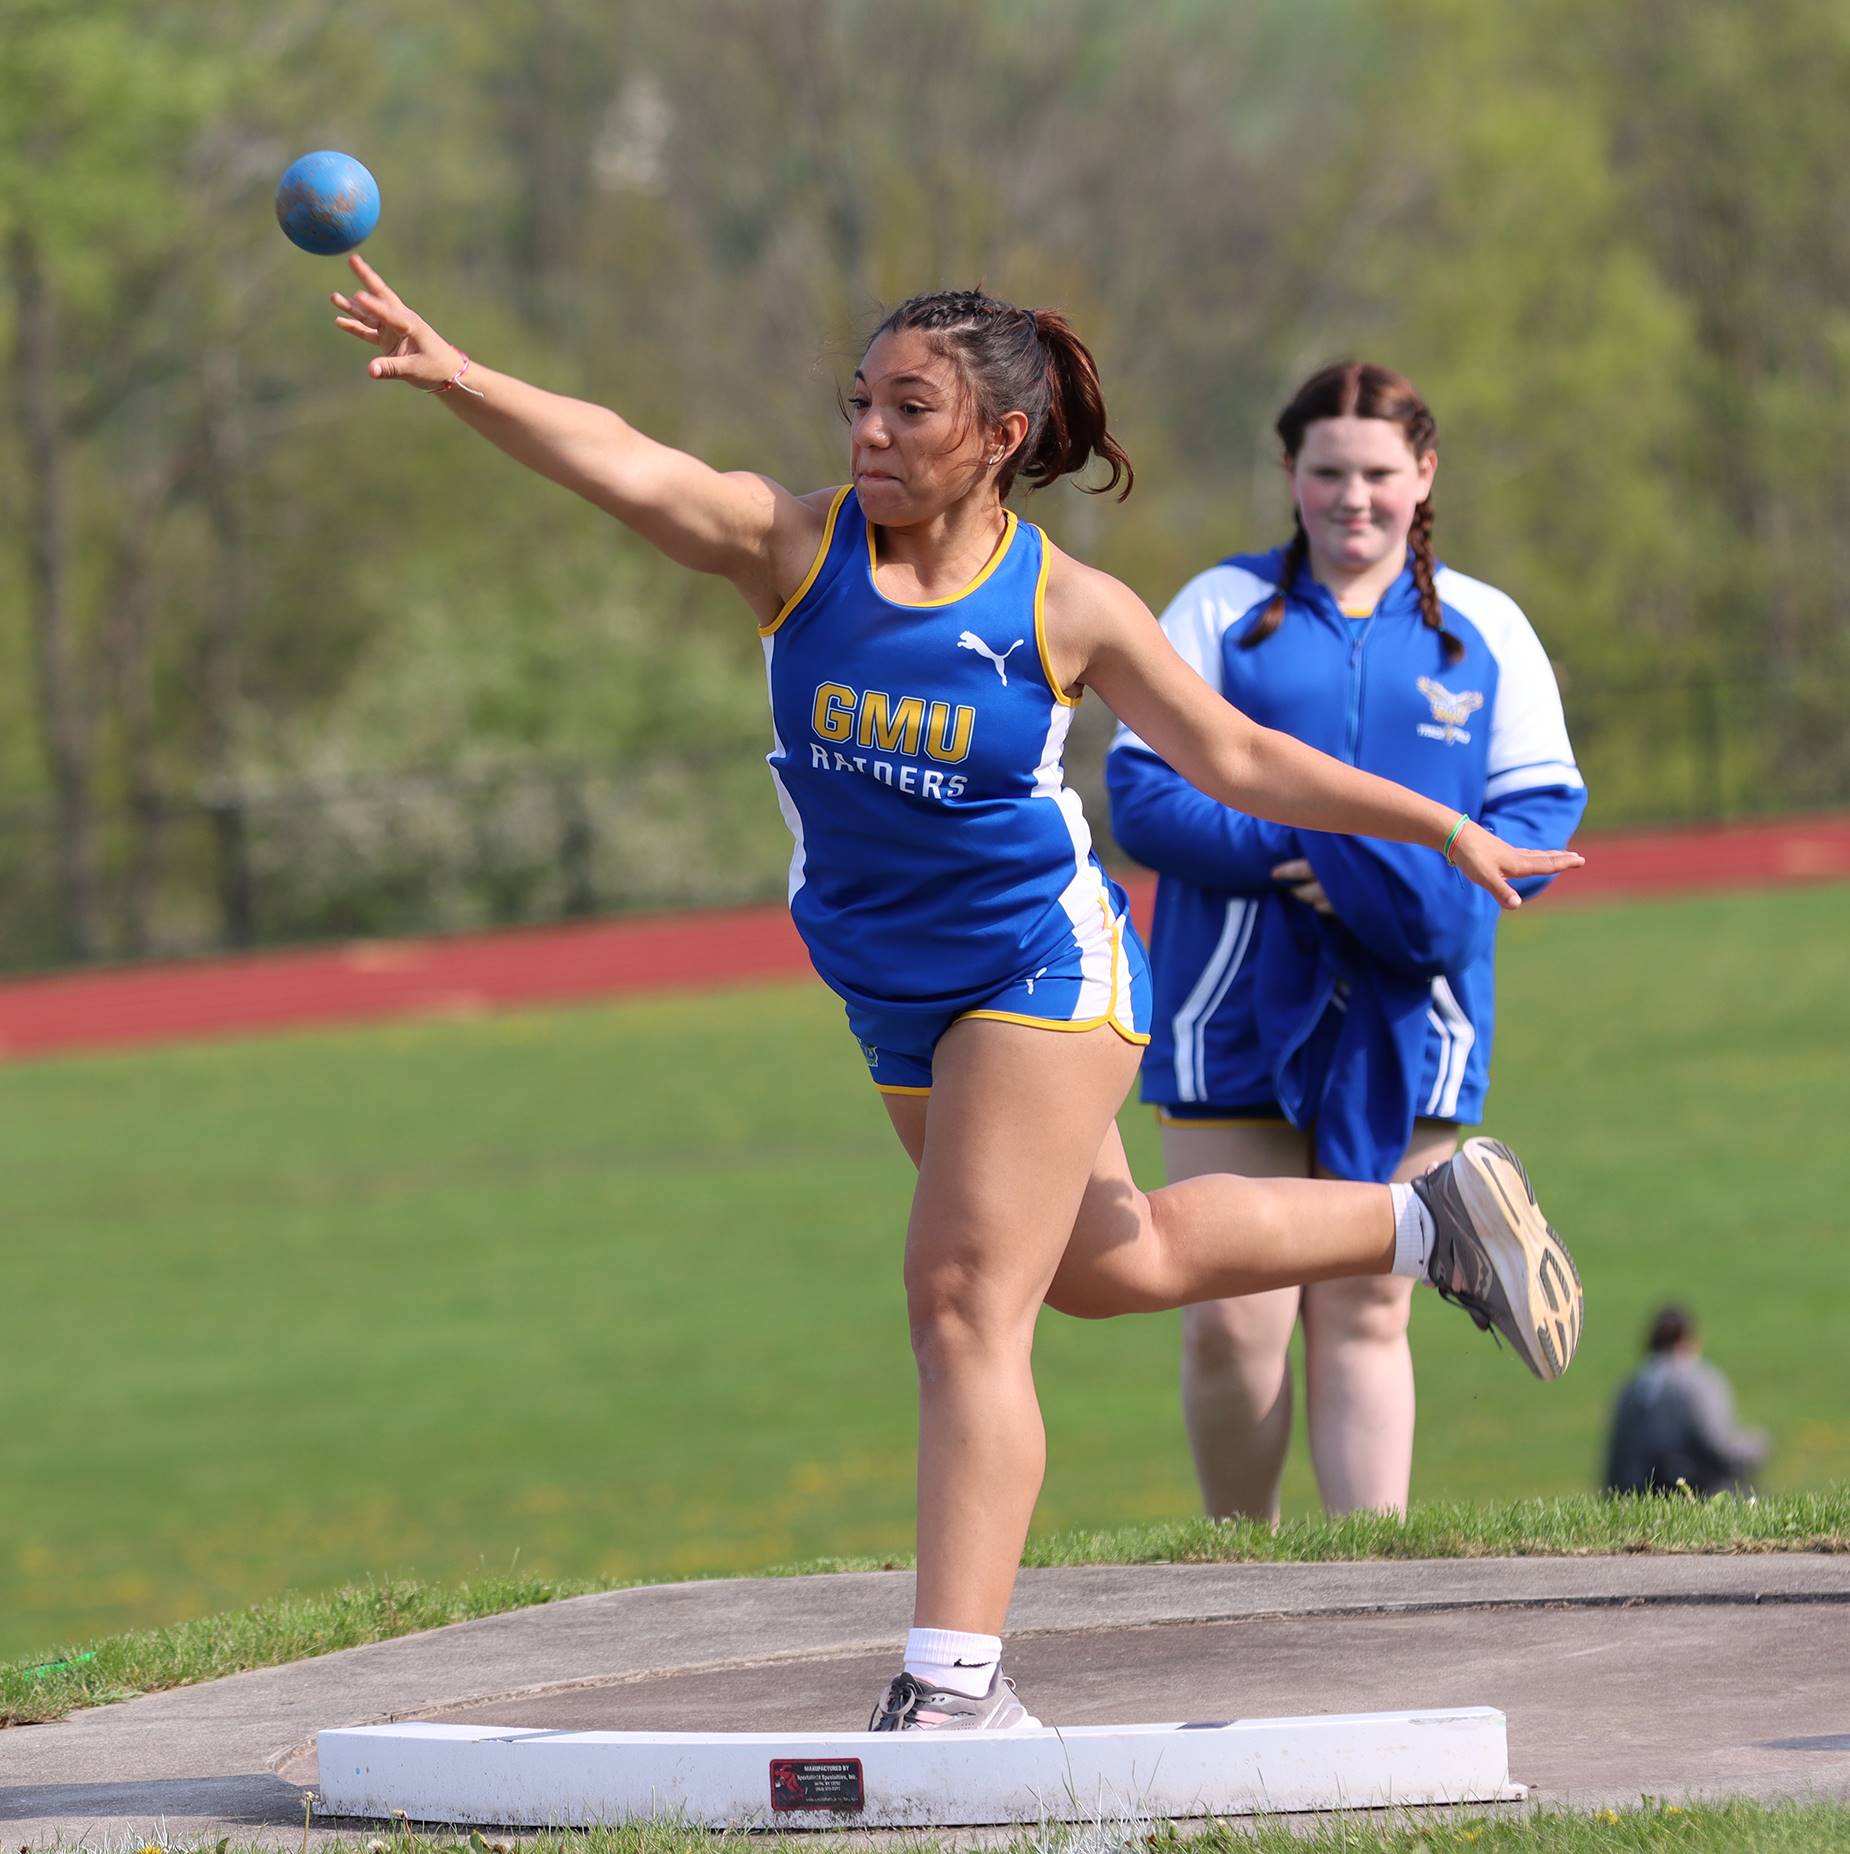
[282, 650]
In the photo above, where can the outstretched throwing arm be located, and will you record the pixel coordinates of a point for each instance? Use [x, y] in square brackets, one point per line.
[736, 524]
[1129, 661]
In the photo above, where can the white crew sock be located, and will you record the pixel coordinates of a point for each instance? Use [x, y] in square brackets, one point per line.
[1413, 1233]
[950, 1659]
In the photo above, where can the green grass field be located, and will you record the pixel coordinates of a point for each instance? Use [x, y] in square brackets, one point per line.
[614, 1291]
[1650, 1828]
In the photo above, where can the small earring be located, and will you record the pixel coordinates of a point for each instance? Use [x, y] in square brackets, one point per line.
[993, 460]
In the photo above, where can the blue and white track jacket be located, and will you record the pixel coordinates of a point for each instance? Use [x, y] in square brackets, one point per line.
[1353, 1025]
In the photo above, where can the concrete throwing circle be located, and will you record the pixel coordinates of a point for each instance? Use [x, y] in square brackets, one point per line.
[1644, 1699]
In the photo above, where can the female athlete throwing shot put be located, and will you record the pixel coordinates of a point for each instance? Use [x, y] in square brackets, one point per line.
[925, 651]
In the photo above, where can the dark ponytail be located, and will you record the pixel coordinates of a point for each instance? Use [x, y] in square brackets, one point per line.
[1076, 430]
[1029, 361]
[1359, 389]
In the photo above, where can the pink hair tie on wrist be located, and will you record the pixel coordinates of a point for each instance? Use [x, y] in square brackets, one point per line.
[456, 379]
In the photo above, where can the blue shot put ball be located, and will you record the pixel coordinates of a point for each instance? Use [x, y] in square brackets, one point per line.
[326, 202]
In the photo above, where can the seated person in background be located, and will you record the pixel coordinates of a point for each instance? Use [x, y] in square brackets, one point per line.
[1674, 1420]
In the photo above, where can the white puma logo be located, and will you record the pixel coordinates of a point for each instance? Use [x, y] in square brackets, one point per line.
[1039, 975]
[968, 640]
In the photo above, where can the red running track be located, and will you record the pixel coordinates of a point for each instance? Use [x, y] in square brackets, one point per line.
[158, 1003]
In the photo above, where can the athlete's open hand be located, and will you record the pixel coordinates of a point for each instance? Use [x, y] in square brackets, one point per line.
[1493, 864]
[410, 349]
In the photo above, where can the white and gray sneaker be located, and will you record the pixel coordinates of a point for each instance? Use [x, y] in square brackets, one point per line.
[1495, 1255]
[911, 1706]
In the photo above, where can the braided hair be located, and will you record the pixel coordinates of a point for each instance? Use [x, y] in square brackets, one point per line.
[1359, 389]
[1022, 360]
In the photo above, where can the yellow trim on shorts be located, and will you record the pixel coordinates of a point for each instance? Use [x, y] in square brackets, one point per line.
[1133, 1037]
[1054, 1023]
[815, 566]
[1164, 1118]
[1040, 636]
[896, 1088]
[1009, 526]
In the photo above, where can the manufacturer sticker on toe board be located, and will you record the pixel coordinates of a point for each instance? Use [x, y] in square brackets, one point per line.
[817, 1783]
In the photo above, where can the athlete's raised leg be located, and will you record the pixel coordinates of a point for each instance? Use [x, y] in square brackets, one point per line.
[1472, 1227]
[1209, 1237]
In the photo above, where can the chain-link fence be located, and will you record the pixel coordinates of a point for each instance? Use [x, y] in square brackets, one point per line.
[544, 840]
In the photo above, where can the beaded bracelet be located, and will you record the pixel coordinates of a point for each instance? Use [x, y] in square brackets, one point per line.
[1464, 818]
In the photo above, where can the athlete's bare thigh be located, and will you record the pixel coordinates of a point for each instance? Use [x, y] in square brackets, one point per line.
[1112, 1221]
[1101, 1050]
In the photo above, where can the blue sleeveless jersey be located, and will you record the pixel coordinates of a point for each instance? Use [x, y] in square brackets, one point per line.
[939, 854]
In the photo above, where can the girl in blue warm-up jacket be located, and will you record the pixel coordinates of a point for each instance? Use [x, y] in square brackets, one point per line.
[1324, 1004]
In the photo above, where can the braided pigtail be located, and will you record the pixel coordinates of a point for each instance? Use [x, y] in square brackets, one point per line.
[1273, 616]
[1419, 546]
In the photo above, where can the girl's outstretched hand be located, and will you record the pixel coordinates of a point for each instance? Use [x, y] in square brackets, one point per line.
[410, 349]
[1493, 864]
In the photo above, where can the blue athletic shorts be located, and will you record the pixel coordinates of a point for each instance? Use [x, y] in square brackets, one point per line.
[1104, 982]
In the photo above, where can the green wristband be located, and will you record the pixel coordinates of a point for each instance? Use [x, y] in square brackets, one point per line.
[1464, 818]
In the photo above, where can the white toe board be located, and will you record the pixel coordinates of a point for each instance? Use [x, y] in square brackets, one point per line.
[529, 1776]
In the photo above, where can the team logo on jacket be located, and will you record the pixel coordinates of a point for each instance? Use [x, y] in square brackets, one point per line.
[968, 640]
[1450, 711]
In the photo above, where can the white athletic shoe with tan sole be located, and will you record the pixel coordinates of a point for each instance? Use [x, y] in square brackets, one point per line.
[912, 1706]
[1495, 1255]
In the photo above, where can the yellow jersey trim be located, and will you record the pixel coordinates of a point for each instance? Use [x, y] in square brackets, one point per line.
[1009, 526]
[895, 1088]
[1040, 634]
[815, 566]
